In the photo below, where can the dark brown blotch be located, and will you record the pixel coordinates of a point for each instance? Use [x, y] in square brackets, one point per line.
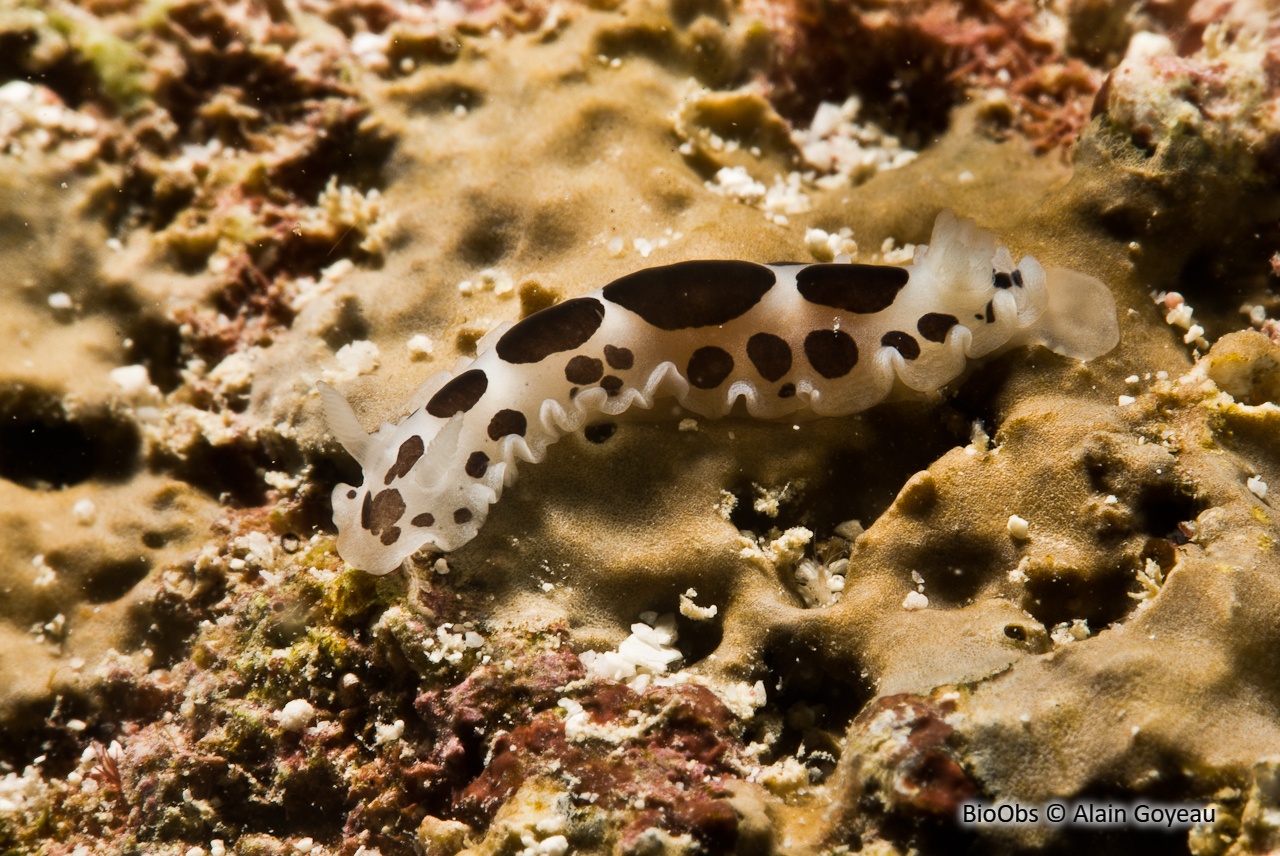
[461, 516]
[991, 312]
[380, 513]
[554, 330]
[619, 359]
[611, 384]
[424, 519]
[351, 494]
[708, 367]
[787, 390]
[692, 294]
[410, 451]
[1000, 279]
[770, 354]
[583, 370]
[458, 395]
[477, 465]
[832, 353]
[852, 287]
[506, 422]
[1017, 278]
[904, 343]
[936, 325]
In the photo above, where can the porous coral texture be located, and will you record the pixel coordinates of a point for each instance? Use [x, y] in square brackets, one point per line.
[1053, 581]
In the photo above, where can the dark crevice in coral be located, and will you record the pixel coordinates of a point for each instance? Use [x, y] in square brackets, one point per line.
[44, 447]
[157, 344]
[491, 236]
[896, 71]
[167, 622]
[814, 688]
[915, 833]
[22, 57]
[349, 150]
[684, 12]
[955, 565]
[313, 803]
[1218, 278]
[978, 393]
[109, 581]
[231, 472]
[699, 639]
[1100, 597]
[445, 97]
[1161, 506]
[32, 729]
[226, 472]
[889, 445]
[313, 508]
[349, 326]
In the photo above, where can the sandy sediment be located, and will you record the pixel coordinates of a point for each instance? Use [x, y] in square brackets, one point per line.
[1054, 580]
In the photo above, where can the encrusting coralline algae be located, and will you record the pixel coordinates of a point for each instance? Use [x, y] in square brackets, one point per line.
[1049, 580]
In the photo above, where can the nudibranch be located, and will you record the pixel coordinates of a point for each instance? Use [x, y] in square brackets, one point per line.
[830, 339]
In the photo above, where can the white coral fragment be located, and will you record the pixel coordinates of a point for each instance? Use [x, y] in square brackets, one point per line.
[915, 601]
[692, 611]
[650, 649]
[1257, 486]
[295, 715]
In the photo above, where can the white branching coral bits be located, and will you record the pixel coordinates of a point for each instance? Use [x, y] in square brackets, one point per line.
[341, 208]
[650, 649]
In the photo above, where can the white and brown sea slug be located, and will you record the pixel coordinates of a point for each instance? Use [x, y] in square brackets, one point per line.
[830, 339]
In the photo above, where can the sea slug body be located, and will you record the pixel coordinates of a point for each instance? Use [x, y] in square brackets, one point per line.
[831, 339]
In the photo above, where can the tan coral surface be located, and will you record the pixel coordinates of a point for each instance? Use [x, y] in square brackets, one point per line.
[1062, 582]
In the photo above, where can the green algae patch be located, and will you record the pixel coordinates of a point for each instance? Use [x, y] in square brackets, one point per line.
[119, 66]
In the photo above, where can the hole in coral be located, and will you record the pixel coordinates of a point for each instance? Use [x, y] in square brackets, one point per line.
[51, 64]
[157, 344]
[154, 540]
[697, 640]
[884, 447]
[489, 238]
[44, 447]
[954, 564]
[813, 688]
[1100, 597]
[445, 97]
[685, 11]
[313, 802]
[1161, 506]
[29, 730]
[232, 472]
[111, 581]
[349, 326]
[895, 69]
[1230, 271]
[1016, 632]
[624, 40]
